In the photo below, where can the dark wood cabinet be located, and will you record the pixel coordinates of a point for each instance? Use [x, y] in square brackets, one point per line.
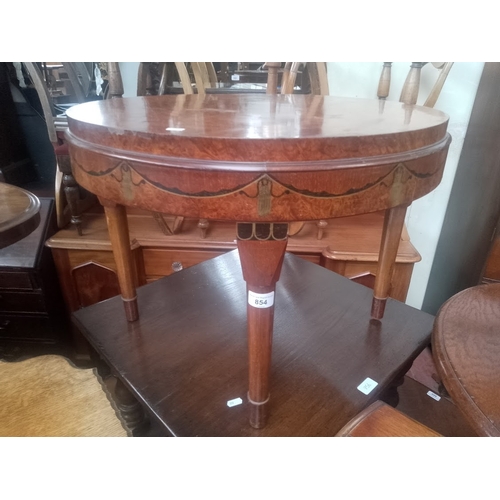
[33, 316]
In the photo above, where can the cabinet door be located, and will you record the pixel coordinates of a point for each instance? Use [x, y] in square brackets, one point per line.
[89, 276]
[94, 282]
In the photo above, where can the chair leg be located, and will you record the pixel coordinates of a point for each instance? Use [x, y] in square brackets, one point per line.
[72, 193]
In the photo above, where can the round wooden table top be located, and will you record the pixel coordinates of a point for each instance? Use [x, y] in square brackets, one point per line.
[257, 157]
[19, 214]
[466, 347]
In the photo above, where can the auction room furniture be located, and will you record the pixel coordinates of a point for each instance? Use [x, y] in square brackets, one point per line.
[71, 199]
[87, 269]
[32, 315]
[261, 161]
[381, 420]
[184, 359]
[19, 214]
[466, 348]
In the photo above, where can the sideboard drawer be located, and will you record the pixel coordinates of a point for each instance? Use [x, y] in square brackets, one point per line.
[22, 328]
[21, 302]
[19, 280]
[160, 262]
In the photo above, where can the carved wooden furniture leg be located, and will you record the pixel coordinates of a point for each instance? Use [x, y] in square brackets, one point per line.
[261, 248]
[203, 226]
[130, 409]
[321, 225]
[116, 217]
[391, 235]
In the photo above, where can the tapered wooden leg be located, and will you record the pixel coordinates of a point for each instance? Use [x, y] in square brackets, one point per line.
[116, 217]
[261, 248]
[391, 236]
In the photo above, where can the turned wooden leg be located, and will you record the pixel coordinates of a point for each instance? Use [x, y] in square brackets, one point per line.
[391, 236]
[72, 193]
[321, 225]
[203, 226]
[261, 248]
[130, 409]
[116, 217]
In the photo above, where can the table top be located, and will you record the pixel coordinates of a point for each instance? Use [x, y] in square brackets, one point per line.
[257, 157]
[19, 214]
[345, 127]
[466, 347]
[322, 350]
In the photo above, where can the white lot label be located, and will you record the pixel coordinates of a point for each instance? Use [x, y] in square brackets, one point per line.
[235, 78]
[234, 402]
[367, 386]
[261, 300]
[433, 395]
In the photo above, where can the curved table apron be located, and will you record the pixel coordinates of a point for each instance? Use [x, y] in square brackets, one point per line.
[261, 161]
[466, 348]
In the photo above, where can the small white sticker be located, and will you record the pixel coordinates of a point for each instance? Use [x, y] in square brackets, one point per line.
[261, 300]
[367, 386]
[433, 395]
[175, 129]
[234, 402]
[235, 78]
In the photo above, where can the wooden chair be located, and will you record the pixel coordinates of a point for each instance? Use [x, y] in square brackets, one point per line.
[153, 78]
[381, 420]
[71, 199]
[411, 87]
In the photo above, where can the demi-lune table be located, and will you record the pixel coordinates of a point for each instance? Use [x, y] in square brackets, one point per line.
[261, 161]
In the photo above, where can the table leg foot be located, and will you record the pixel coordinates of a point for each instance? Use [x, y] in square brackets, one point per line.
[258, 415]
[116, 218]
[378, 308]
[391, 236]
[131, 309]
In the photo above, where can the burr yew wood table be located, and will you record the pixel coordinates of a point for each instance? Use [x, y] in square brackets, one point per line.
[19, 214]
[466, 348]
[261, 161]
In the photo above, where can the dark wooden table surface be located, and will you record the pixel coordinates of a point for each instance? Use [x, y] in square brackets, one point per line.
[323, 350]
[19, 214]
[466, 348]
[261, 161]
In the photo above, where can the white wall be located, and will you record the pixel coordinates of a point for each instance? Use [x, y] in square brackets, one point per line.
[425, 216]
[129, 72]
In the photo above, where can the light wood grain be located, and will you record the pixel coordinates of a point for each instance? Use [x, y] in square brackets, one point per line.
[381, 420]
